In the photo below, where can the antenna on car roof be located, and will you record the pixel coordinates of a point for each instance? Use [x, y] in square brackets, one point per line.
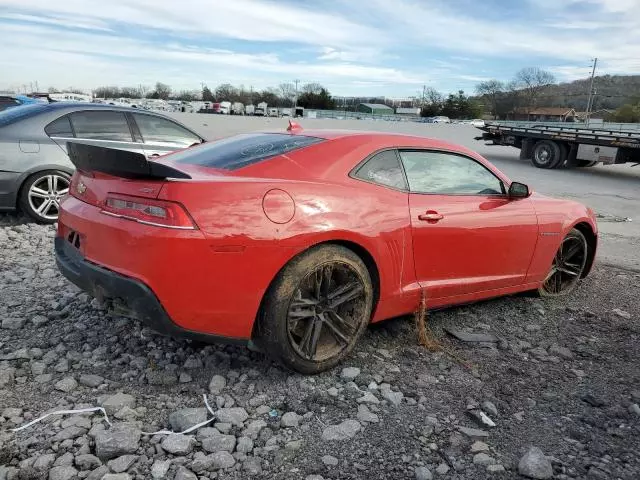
[293, 126]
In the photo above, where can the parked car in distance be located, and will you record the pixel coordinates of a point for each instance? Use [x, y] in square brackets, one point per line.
[272, 112]
[285, 112]
[477, 122]
[277, 240]
[36, 170]
[10, 101]
[261, 109]
[440, 119]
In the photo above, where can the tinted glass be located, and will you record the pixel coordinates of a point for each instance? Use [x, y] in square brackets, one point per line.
[383, 168]
[446, 173]
[12, 115]
[96, 125]
[158, 129]
[242, 150]
[59, 128]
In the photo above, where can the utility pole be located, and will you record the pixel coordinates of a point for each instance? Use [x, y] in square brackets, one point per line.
[295, 102]
[590, 98]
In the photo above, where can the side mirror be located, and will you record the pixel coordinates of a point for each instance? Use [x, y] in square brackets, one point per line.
[518, 190]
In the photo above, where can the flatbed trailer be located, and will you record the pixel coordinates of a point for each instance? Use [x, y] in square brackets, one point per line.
[559, 146]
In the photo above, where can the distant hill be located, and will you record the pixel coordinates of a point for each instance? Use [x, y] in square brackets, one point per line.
[612, 91]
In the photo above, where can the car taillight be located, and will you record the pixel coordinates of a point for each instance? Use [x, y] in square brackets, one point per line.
[158, 213]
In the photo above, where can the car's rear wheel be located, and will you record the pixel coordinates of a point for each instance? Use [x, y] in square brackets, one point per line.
[316, 310]
[41, 194]
[567, 267]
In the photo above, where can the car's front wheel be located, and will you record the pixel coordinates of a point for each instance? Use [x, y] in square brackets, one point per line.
[41, 194]
[567, 267]
[316, 310]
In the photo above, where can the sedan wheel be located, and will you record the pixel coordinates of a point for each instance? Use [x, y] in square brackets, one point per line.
[317, 309]
[567, 267]
[41, 195]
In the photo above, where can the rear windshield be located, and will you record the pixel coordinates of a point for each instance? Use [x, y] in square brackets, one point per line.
[242, 150]
[14, 114]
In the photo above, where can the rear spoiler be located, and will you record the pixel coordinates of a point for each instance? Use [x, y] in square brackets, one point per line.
[119, 163]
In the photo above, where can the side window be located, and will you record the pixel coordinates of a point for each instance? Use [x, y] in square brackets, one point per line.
[383, 168]
[158, 129]
[59, 128]
[447, 173]
[101, 125]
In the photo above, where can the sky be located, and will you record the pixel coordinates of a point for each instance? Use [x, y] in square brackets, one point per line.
[374, 47]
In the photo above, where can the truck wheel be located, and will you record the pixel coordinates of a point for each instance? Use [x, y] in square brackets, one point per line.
[547, 154]
[586, 163]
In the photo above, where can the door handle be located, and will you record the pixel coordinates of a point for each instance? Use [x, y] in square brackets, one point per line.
[430, 216]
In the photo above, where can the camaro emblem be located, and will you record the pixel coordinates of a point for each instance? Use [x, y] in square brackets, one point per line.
[81, 188]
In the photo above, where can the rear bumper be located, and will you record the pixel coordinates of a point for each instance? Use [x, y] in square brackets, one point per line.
[137, 297]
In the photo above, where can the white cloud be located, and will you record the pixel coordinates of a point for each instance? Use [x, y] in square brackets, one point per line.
[68, 21]
[514, 37]
[387, 46]
[77, 54]
[252, 20]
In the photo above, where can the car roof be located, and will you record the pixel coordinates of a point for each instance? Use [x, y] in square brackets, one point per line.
[43, 113]
[390, 138]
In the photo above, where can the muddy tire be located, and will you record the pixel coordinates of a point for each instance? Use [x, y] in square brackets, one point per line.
[316, 309]
[567, 267]
[547, 154]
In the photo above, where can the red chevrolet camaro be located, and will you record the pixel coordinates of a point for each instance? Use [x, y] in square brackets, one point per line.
[294, 241]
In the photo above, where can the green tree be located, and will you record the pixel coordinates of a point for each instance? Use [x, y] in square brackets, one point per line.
[316, 98]
[628, 113]
[207, 96]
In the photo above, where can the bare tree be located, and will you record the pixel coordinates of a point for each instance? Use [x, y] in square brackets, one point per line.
[531, 82]
[314, 88]
[491, 89]
[431, 96]
[226, 93]
[287, 92]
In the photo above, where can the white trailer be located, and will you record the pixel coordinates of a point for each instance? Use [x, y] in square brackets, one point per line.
[225, 108]
[250, 110]
[237, 108]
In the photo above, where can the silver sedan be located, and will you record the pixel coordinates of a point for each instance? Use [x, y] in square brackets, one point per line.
[35, 169]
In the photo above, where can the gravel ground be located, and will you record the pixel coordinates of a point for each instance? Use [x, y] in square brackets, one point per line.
[562, 386]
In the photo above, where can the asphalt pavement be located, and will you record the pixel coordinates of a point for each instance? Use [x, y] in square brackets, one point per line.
[612, 191]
